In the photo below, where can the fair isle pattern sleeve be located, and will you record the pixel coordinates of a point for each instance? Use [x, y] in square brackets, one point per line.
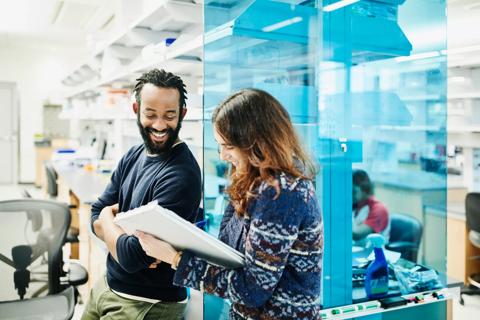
[284, 231]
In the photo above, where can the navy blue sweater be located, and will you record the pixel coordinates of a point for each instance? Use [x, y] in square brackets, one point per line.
[282, 238]
[174, 180]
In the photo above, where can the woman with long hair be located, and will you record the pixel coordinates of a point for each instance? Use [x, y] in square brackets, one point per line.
[273, 217]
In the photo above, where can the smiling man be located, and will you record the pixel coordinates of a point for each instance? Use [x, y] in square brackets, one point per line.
[137, 286]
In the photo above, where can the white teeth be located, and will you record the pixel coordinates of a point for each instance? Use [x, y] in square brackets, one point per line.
[159, 135]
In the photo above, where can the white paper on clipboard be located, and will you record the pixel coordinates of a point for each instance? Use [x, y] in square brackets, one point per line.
[181, 234]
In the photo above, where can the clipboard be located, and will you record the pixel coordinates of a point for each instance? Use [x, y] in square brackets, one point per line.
[180, 233]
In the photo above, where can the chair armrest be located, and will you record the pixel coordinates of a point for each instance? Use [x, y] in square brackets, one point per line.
[72, 236]
[77, 274]
[401, 245]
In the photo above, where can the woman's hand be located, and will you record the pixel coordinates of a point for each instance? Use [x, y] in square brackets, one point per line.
[156, 248]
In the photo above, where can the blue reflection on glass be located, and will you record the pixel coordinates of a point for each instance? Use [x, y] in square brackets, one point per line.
[365, 87]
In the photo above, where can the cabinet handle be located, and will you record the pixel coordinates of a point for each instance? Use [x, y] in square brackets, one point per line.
[343, 144]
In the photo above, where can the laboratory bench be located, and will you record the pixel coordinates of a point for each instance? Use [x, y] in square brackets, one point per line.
[459, 248]
[422, 195]
[83, 187]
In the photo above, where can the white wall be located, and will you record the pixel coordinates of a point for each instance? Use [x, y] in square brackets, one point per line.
[37, 72]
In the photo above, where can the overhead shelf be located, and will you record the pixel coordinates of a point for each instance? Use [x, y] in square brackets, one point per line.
[94, 118]
[464, 129]
[142, 45]
[370, 108]
[470, 95]
[178, 66]
[289, 31]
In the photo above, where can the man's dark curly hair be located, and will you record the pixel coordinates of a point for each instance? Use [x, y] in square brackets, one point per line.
[162, 79]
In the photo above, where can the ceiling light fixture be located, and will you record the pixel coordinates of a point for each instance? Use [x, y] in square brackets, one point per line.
[56, 12]
[281, 24]
[423, 55]
[338, 5]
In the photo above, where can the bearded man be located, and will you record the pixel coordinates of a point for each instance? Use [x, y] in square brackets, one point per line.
[137, 286]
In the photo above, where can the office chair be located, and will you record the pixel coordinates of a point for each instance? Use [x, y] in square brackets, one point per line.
[405, 236]
[51, 175]
[52, 191]
[472, 211]
[57, 306]
[76, 270]
[31, 261]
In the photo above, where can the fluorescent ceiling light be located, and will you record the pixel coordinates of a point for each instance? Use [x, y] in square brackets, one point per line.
[461, 50]
[281, 24]
[56, 12]
[423, 55]
[338, 5]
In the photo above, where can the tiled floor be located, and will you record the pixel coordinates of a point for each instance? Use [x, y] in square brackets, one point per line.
[470, 310]
[78, 312]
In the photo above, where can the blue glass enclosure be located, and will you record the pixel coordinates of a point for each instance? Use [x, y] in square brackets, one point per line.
[365, 85]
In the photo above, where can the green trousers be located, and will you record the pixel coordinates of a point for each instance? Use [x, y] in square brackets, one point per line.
[104, 304]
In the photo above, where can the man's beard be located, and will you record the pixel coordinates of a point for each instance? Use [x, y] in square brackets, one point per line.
[154, 147]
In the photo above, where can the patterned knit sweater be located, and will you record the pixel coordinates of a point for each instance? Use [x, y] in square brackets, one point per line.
[282, 239]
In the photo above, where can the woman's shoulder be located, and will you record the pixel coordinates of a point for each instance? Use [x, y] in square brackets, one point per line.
[294, 203]
[288, 185]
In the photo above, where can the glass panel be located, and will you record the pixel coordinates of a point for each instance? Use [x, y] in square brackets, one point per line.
[382, 112]
[369, 96]
[269, 45]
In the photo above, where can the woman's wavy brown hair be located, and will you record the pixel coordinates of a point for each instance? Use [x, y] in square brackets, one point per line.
[256, 123]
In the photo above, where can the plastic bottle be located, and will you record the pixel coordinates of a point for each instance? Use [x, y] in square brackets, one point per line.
[376, 277]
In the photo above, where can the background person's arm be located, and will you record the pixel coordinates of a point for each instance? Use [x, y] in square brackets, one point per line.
[360, 231]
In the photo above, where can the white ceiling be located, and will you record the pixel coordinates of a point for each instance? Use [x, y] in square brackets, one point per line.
[68, 23]
[462, 23]
[51, 23]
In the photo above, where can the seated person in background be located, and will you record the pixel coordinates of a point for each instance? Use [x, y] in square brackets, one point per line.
[369, 214]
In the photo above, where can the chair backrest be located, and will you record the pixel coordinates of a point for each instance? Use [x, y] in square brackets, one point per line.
[406, 229]
[52, 186]
[472, 211]
[33, 233]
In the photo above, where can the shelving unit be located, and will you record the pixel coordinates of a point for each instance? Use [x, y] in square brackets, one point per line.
[138, 43]
[464, 121]
[97, 94]
[129, 51]
[469, 95]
